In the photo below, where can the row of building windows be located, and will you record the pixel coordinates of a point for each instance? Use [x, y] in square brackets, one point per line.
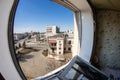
[69, 42]
[69, 49]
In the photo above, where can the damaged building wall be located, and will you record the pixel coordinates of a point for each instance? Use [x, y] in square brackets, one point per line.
[107, 46]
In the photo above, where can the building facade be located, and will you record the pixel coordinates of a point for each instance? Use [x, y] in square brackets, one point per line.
[60, 44]
[52, 30]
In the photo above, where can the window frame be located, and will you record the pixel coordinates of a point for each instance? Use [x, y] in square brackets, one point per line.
[78, 27]
[11, 39]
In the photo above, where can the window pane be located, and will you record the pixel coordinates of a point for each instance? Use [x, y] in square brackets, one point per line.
[54, 78]
[43, 36]
[71, 75]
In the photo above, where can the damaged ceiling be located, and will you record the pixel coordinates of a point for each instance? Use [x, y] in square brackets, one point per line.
[106, 4]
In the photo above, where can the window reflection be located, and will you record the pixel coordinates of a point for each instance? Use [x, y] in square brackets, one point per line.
[71, 75]
[80, 70]
[54, 78]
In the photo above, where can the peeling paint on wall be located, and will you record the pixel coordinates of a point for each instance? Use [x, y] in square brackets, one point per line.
[108, 38]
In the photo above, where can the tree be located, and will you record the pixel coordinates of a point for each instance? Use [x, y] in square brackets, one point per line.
[24, 44]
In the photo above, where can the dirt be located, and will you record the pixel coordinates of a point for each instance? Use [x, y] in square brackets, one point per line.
[35, 64]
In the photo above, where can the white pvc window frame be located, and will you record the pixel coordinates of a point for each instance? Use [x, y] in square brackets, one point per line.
[9, 66]
[83, 27]
[83, 42]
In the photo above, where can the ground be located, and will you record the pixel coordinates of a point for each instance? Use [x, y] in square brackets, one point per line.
[35, 64]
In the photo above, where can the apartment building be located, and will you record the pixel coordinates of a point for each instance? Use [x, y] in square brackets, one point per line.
[52, 30]
[60, 43]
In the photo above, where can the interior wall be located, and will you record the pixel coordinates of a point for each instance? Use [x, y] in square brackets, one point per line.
[7, 67]
[107, 46]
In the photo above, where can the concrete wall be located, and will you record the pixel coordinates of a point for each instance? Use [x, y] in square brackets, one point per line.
[108, 38]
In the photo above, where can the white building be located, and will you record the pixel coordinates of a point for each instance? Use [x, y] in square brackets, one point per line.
[52, 30]
[60, 44]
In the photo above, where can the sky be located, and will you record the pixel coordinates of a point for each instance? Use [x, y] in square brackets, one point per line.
[35, 15]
